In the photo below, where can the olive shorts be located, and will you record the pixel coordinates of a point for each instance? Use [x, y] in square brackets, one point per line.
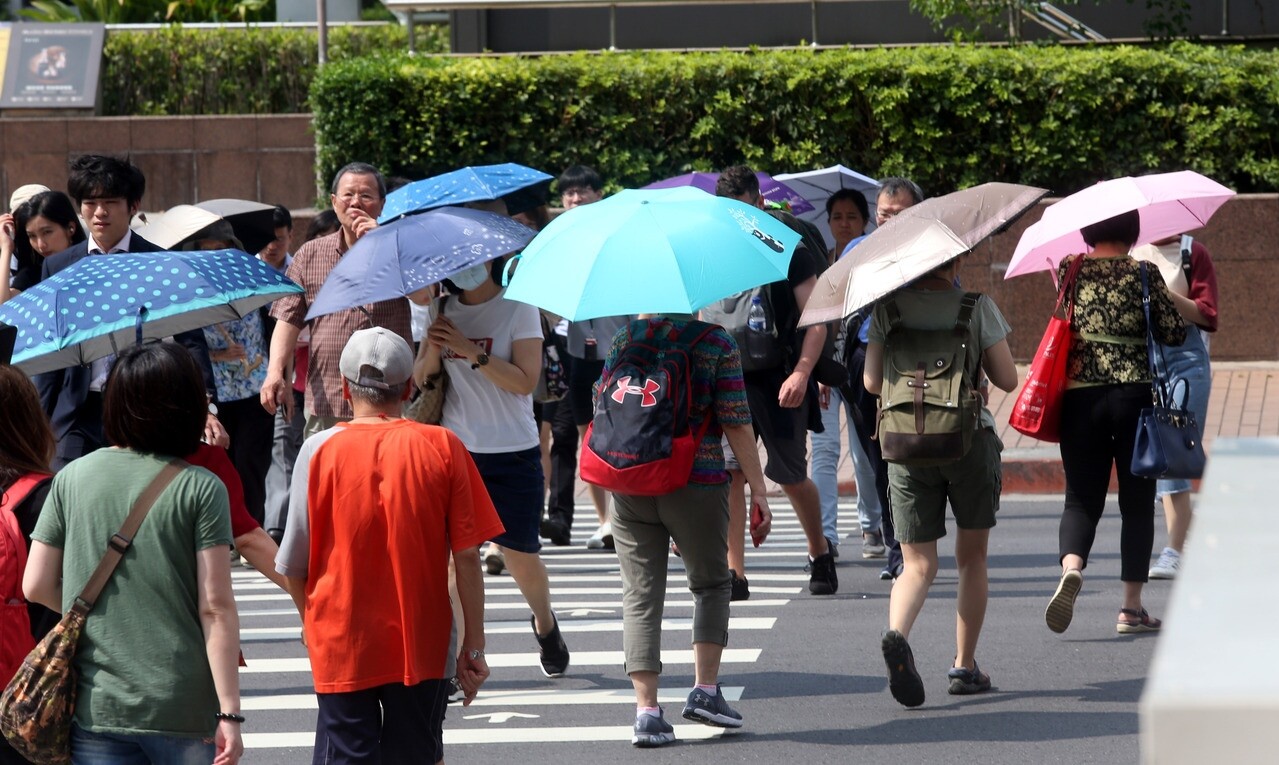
[972, 485]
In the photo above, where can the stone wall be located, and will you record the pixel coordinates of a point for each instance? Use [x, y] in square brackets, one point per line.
[270, 158]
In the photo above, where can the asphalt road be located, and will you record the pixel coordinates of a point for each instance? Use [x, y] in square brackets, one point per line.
[807, 671]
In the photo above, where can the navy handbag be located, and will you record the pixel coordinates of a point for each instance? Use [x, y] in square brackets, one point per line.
[1169, 442]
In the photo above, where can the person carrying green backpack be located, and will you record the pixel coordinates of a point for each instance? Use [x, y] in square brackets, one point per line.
[929, 344]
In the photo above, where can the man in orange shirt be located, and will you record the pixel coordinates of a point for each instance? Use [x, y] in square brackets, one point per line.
[377, 506]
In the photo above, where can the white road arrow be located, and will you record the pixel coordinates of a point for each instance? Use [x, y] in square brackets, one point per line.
[500, 717]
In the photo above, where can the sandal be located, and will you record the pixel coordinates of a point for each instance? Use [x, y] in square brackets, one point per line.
[1144, 622]
[1061, 609]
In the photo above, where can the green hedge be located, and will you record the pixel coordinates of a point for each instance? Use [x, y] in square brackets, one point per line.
[234, 70]
[1059, 117]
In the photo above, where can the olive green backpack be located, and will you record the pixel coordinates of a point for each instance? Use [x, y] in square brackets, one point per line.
[928, 407]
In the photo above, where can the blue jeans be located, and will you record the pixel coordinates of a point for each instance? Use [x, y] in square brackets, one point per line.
[825, 470]
[137, 749]
[1186, 365]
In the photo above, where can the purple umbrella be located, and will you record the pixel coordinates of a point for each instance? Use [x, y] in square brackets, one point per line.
[773, 190]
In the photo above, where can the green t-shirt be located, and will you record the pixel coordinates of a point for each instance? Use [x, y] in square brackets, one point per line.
[142, 662]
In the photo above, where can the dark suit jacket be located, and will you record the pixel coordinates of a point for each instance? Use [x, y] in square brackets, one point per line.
[63, 393]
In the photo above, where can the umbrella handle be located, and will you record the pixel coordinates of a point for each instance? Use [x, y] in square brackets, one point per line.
[137, 326]
[506, 270]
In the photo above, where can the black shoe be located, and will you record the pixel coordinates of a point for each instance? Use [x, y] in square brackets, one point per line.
[554, 653]
[822, 579]
[741, 588]
[903, 679]
[277, 535]
[557, 531]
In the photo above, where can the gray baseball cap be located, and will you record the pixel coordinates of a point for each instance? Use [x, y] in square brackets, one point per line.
[377, 358]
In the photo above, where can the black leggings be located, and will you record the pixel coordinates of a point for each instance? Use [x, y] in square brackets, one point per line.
[1098, 428]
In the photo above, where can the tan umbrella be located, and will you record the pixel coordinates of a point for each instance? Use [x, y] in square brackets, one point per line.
[914, 242]
[252, 222]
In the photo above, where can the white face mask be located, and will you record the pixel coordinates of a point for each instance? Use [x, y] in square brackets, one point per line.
[471, 277]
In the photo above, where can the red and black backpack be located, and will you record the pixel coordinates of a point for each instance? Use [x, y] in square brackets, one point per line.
[639, 441]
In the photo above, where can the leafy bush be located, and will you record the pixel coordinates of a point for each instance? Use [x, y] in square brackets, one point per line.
[1054, 116]
[254, 70]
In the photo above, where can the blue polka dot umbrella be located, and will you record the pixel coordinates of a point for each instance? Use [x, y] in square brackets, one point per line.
[107, 302]
[522, 188]
[402, 257]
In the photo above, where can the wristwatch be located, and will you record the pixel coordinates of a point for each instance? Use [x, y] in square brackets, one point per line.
[481, 361]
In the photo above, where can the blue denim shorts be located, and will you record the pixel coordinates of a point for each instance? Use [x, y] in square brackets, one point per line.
[514, 482]
[88, 748]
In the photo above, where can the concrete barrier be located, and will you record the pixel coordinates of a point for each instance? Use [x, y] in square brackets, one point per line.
[1213, 690]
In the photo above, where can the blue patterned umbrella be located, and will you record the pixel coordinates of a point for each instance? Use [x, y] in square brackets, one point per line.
[522, 188]
[106, 302]
[404, 256]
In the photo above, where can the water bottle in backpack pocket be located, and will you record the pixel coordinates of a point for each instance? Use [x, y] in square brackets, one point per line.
[751, 321]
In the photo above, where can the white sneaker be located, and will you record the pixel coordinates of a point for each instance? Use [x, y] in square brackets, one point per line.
[494, 561]
[602, 538]
[1166, 566]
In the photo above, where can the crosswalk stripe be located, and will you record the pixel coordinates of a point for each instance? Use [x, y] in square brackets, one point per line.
[496, 592]
[270, 634]
[512, 660]
[497, 735]
[487, 698]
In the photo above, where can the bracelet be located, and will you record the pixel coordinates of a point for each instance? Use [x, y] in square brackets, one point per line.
[232, 716]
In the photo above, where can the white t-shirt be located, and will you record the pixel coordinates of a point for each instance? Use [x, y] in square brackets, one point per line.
[489, 420]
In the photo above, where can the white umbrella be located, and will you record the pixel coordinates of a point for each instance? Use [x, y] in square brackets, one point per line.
[251, 222]
[816, 186]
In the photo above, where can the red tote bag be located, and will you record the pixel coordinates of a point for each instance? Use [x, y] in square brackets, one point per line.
[1037, 412]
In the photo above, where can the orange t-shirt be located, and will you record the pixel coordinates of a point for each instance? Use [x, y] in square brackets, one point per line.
[383, 503]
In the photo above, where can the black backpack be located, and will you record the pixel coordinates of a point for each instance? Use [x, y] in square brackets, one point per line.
[639, 441]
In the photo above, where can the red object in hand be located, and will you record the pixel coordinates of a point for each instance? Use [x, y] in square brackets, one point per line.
[757, 519]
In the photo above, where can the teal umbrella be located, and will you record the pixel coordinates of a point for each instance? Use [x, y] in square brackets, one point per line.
[105, 303]
[651, 251]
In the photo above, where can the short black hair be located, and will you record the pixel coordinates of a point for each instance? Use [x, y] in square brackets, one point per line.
[1124, 228]
[894, 185]
[577, 176]
[360, 168]
[93, 176]
[281, 217]
[51, 205]
[737, 181]
[155, 401]
[324, 223]
[856, 197]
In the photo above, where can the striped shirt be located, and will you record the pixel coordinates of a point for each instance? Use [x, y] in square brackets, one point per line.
[310, 267]
[718, 389]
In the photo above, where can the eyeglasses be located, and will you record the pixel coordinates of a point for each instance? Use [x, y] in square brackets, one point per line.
[350, 197]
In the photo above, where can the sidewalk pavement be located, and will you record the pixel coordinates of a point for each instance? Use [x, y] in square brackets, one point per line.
[1244, 404]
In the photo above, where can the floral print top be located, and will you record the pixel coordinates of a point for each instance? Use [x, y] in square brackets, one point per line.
[236, 380]
[1108, 333]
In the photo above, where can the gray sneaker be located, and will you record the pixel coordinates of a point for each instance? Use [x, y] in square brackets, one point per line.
[652, 732]
[1167, 565]
[711, 710]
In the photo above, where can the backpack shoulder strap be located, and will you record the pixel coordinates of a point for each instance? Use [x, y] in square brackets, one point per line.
[894, 315]
[22, 488]
[966, 307]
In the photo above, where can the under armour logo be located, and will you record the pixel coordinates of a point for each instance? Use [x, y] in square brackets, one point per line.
[624, 388]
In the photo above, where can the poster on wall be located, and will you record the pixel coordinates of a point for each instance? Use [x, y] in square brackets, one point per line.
[53, 66]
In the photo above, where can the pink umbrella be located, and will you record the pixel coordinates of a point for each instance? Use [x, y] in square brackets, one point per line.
[1169, 204]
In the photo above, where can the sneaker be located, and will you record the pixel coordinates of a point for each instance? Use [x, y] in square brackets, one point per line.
[1061, 609]
[822, 578]
[965, 682]
[456, 694]
[834, 547]
[557, 531]
[494, 561]
[602, 539]
[873, 545]
[890, 573]
[553, 651]
[711, 710]
[652, 731]
[1166, 566]
[741, 588]
[903, 679]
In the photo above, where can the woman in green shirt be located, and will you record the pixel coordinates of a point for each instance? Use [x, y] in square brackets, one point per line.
[157, 659]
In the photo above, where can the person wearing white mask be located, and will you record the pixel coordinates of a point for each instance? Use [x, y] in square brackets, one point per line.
[491, 350]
